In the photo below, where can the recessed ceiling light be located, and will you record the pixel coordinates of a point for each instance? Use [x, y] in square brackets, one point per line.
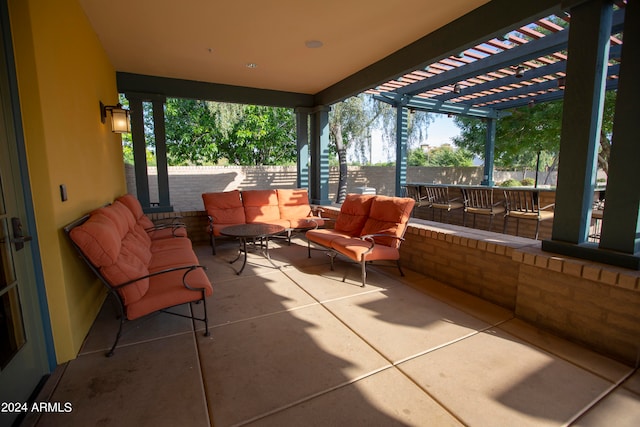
[252, 65]
[313, 44]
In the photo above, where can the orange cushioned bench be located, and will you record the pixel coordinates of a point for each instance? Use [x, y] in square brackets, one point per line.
[289, 208]
[146, 269]
[368, 228]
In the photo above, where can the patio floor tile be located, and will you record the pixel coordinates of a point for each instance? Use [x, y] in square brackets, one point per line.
[620, 409]
[386, 399]
[260, 365]
[587, 359]
[253, 296]
[401, 323]
[144, 384]
[325, 285]
[152, 327]
[495, 379]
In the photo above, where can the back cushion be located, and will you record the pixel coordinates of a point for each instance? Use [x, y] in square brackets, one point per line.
[293, 204]
[354, 213]
[224, 207]
[98, 239]
[389, 215]
[136, 209]
[260, 205]
[120, 215]
[127, 267]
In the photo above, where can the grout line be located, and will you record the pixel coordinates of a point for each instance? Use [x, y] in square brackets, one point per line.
[203, 388]
[131, 344]
[600, 397]
[261, 316]
[313, 396]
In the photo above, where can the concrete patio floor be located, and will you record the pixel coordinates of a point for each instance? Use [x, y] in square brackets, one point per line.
[296, 346]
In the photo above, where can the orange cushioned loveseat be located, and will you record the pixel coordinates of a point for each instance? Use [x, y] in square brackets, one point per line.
[368, 228]
[288, 208]
[146, 269]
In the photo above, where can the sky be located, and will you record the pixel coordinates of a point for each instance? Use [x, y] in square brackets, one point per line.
[440, 132]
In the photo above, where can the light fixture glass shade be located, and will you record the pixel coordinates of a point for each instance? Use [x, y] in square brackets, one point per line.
[120, 120]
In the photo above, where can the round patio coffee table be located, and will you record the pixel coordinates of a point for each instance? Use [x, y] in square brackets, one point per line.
[253, 232]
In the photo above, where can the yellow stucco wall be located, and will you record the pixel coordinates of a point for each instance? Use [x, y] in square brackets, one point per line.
[63, 73]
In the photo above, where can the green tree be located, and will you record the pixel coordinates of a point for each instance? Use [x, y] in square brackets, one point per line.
[444, 156]
[191, 132]
[258, 135]
[529, 131]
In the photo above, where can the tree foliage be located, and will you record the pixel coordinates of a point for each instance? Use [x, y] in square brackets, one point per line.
[529, 131]
[204, 132]
[442, 156]
[191, 132]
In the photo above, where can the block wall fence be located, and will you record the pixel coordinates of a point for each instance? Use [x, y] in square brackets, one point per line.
[187, 183]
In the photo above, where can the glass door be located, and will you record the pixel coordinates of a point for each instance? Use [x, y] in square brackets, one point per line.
[23, 350]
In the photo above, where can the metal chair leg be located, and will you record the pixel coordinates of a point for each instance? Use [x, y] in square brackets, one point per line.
[400, 268]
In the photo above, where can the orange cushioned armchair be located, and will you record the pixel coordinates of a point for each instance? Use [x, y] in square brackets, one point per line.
[368, 228]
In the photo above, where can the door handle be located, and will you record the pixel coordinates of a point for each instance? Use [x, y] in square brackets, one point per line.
[18, 235]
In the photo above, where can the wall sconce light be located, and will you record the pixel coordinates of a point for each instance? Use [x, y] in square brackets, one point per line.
[457, 88]
[119, 117]
[519, 71]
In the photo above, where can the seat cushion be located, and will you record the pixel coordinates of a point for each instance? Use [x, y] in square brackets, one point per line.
[388, 215]
[261, 206]
[167, 290]
[448, 206]
[355, 249]
[486, 211]
[354, 213]
[324, 237]
[310, 222]
[224, 207]
[540, 216]
[166, 259]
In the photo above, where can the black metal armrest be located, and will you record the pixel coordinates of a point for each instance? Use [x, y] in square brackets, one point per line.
[370, 237]
[188, 268]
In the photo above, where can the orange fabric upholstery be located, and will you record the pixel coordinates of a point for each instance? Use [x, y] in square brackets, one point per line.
[98, 238]
[288, 208]
[293, 203]
[262, 206]
[388, 215]
[354, 213]
[294, 207]
[324, 237]
[224, 208]
[154, 231]
[356, 249]
[146, 274]
[163, 292]
[362, 227]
